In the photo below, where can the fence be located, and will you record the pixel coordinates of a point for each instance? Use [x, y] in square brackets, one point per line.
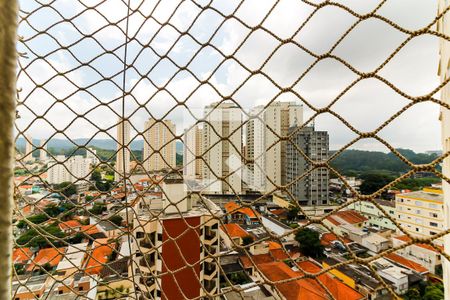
[97, 223]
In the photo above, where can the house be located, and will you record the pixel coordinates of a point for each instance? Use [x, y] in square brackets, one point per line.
[232, 234]
[423, 254]
[102, 249]
[70, 227]
[72, 260]
[240, 214]
[303, 288]
[48, 257]
[338, 219]
[406, 263]
[21, 256]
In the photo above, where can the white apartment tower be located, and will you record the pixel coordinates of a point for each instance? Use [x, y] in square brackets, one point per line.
[28, 149]
[223, 159]
[123, 151]
[193, 147]
[159, 145]
[264, 130]
[443, 26]
[73, 169]
[42, 151]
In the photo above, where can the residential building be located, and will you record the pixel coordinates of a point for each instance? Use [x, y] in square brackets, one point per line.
[264, 130]
[159, 145]
[241, 214]
[193, 147]
[423, 254]
[123, 151]
[42, 150]
[28, 149]
[421, 213]
[69, 169]
[222, 171]
[395, 275]
[305, 288]
[312, 189]
[357, 277]
[375, 217]
[232, 234]
[444, 73]
[171, 232]
[92, 155]
[338, 221]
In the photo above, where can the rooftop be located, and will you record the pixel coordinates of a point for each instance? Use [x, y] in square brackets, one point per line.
[423, 195]
[234, 230]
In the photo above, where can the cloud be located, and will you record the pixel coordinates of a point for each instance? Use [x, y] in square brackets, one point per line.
[157, 86]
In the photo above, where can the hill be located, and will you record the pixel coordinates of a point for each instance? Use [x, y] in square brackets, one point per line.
[357, 162]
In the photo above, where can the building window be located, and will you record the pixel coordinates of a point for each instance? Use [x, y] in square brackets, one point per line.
[433, 224]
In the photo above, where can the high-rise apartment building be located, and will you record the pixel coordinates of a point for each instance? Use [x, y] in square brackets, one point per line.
[312, 189]
[43, 150]
[444, 73]
[71, 169]
[223, 158]
[421, 213]
[175, 245]
[264, 130]
[159, 145]
[28, 149]
[193, 147]
[123, 150]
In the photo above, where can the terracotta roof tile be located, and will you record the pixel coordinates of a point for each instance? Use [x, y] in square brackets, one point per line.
[50, 256]
[21, 255]
[233, 207]
[406, 263]
[234, 230]
[101, 250]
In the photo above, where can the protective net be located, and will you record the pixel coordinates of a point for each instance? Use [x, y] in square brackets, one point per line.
[168, 149]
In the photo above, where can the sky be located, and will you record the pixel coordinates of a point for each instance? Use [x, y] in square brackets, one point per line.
[157, 49]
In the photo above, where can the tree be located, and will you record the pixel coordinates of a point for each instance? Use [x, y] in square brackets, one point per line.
[413, 294]
[67, 188]
[98, 209]
[309, 241]
[52, 210]
[247, 240]
[434, 292]
[38, 237]
[373, 182]
[96, 176]
[292, 213]
[116, 219]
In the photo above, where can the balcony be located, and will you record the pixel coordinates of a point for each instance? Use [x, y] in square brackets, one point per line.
[147, 262]
[146, 244]
[148, 282]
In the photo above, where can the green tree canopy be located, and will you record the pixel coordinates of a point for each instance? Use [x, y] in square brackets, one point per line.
[309, 241]
[66, 188]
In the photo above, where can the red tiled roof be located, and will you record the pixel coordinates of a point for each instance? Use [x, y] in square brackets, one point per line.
[258, 259]
[348, 216]
[69, 224]
[406, 263]
[233, 207]
[101, 250]
[328, 237]
[292, 290]
[407, 239]
[21, 255]
[338, 289]
[279, 254]
[50, 256]
[89, 229]
[234, 230]
[274, 245]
